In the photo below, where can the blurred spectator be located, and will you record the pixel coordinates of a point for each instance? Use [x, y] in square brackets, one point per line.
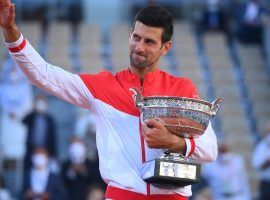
[85, 120]
[198, 189]
[79, 172]
[173, 6]
[34, 10]
[85, 128]
[213, 15]
[4, 193]
[40, 183]
[15, 102]
[75, 11]
[265, 16]
[214, 18]
[16, 95]
[261, 163]
[41, 130]
[227, 176]
[248, 22]
[95, 192]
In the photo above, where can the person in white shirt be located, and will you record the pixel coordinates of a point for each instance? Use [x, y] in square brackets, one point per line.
[226, 177]
[261, 163]
[16, 95]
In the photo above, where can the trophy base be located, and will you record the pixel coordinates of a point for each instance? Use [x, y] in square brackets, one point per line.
[170, 173]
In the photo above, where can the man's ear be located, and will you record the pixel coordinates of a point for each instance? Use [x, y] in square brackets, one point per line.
[166, 47]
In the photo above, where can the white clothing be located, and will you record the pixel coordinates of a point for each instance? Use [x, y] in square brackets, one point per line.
[5, 195]
[227, 178]
[15, 93]
[12, 138]
[260, 156]
[39, 180]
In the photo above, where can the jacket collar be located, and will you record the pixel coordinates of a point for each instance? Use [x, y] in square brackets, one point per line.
[149, 77]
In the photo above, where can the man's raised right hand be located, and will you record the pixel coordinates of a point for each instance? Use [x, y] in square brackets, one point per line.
[7, 14]
[7, 21]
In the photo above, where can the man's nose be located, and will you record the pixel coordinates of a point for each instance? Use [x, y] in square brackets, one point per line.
[139, 47]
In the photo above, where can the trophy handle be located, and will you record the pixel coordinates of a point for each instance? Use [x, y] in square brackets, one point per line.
[215, 106]
[137, 97]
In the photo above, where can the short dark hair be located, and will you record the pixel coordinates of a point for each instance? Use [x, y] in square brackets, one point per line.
[156, 16]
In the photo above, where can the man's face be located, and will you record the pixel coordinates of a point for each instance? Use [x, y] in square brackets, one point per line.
[145, 46]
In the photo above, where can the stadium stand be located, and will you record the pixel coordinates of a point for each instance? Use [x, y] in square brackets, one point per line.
[32, 31]
[59, 40]
[119, 36]
[186, 56]
[257, 81]
[90, 48]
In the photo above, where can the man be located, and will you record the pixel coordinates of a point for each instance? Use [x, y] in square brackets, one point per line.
[248, 22]
[78, 171]
[123, 143]
[39, 182]
[227, 176]
[41, 130]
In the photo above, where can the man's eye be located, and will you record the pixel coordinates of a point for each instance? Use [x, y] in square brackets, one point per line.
[150, 42]
[136, 37]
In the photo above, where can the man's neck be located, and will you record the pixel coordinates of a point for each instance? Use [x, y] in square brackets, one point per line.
[141, 72]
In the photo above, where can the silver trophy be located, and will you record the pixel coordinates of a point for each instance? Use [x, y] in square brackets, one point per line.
[185, 117]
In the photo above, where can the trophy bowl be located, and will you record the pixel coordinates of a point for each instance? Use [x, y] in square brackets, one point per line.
[185, 117]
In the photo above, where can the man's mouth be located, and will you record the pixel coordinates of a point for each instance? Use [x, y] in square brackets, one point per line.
[138, 56]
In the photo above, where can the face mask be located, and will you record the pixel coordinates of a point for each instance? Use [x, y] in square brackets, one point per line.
[39, 160]
[77, 152]
[41, 106]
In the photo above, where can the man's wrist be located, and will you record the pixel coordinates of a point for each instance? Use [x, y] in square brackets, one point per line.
[190, 146]
[11, 33]
[178, 144]
[17, 45]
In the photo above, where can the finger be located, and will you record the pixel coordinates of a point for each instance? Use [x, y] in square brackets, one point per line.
[154, 123]
[12, 11]
[6, 3]
[147, 139]
[147, 132]
[145, 129]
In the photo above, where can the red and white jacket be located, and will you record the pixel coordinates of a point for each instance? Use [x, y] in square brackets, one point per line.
[121, 147]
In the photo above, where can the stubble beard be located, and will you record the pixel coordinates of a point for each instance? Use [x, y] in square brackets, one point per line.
[138, 64]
